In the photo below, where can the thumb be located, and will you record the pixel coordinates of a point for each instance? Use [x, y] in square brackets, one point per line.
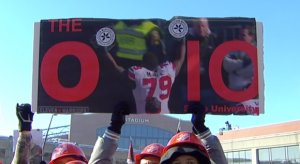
[31, 114]
[17, 110]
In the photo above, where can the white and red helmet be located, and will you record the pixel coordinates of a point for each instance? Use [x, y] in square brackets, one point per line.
[68, 150]
[185, 143]
[154, 149]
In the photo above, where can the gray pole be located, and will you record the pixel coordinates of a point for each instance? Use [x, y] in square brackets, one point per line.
[46, 136]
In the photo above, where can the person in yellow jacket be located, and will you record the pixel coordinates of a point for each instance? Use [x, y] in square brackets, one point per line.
[133, 39]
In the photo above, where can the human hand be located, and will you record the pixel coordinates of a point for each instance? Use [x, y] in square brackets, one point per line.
[198, 116]
[118, 116]
[25, 116]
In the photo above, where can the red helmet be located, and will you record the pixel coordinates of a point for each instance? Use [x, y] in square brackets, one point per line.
[154, 149]
[76, 162]
[67, 150]
[185, 143]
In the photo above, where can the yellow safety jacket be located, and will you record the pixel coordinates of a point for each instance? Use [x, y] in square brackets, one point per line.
[132, 39]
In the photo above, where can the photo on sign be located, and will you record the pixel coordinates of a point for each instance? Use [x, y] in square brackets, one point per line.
[156, 66]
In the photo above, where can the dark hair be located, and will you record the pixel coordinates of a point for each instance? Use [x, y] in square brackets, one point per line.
[150, 61]
[186, 149]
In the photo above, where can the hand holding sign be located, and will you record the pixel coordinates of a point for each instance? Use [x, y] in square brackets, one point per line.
[25, 117]
[118, 117]
[198, 116]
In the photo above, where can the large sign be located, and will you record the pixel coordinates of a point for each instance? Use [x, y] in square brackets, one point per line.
[88, 65]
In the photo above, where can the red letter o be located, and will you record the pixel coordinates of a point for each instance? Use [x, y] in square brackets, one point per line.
[215, 67]
[89, 71]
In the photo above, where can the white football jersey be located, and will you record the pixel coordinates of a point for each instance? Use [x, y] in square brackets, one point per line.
[145, 81]
[149, 84]
[166, 73]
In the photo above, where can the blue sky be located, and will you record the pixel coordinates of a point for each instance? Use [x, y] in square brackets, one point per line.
[281, 54]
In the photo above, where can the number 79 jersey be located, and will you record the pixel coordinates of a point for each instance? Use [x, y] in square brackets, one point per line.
[152, 85]
[166, 73]
[145, 84]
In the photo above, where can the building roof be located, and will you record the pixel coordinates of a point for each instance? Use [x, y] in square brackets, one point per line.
[278, 128]
[84, 126]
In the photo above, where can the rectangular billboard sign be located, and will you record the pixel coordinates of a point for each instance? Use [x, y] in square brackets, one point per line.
[156, 66]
